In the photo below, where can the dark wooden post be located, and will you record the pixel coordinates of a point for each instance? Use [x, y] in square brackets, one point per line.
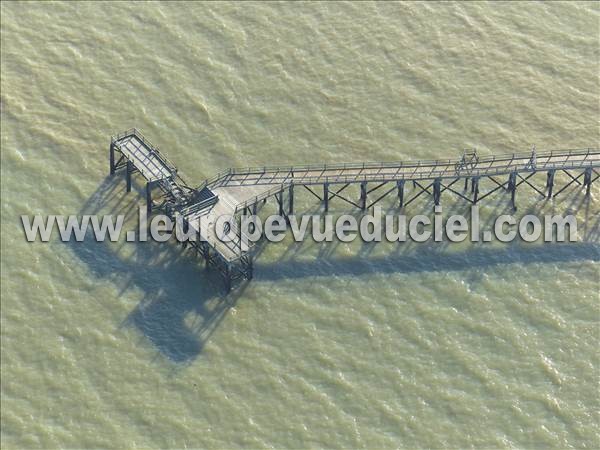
[326, 196]
[291, 200]
[400, 184]
[279, 198]
[363, 195]
[550, 182]
[128, 170]
[437, 192]
[512, 187]
[239, 227]
[587, 180]
[466, 183]
[149, 197]
[112, 157]
[475, 189]
[184, 228]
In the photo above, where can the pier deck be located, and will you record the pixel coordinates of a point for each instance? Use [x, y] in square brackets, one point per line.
[239, 190]
[411, 170]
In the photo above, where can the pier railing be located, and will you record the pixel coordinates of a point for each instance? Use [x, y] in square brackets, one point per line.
[402, 170]
[407, 164]
[135, 132]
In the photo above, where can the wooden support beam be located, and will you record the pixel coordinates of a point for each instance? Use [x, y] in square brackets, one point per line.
[426, 188]
[502, 185]
[326, 196]
[449, 188]
[437, 191]
[400, 186]
[376, 187]
[512, 187]
[475, 188]
[382, 196]
[587, 180]
[333, 194]
[279, 198]
[466, 183]
[423, 189]
[112, 157]
[574, 180]
[498, 187]
[342, 188]
[291, 200]
[128, 172]
[549, 182]
[525, 180]
[363, 195]
[312, 192]
[149, 197]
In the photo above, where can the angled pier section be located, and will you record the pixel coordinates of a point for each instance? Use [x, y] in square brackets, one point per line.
[239, 191]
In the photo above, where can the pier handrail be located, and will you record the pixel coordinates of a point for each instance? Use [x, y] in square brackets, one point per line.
[135, 132]
[409, 163]
[438, 167]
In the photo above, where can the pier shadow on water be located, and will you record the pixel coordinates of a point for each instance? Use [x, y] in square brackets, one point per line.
[183, 303]
[428, 259]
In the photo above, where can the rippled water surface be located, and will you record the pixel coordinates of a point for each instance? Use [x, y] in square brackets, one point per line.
[135, 345]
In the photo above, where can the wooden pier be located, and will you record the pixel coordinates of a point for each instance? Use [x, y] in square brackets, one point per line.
[242, 190]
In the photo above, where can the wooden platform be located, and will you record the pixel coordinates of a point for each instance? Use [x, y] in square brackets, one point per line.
[145, 158]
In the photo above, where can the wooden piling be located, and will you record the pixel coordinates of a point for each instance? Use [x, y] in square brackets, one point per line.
[512, 187]
[550, 182]
[437, 192]
[128, 171]
[149, 198]
[279, 198]
[363, 195]
[400, 185]
[112, 157]
[587, 180]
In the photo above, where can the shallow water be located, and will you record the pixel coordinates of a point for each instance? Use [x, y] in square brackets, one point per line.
[135, 345]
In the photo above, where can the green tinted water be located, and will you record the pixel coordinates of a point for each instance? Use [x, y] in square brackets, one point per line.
[123, 345]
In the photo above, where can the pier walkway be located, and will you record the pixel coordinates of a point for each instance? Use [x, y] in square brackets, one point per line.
[240, 191]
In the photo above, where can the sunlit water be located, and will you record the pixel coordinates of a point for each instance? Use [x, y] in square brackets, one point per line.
[334, 345]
